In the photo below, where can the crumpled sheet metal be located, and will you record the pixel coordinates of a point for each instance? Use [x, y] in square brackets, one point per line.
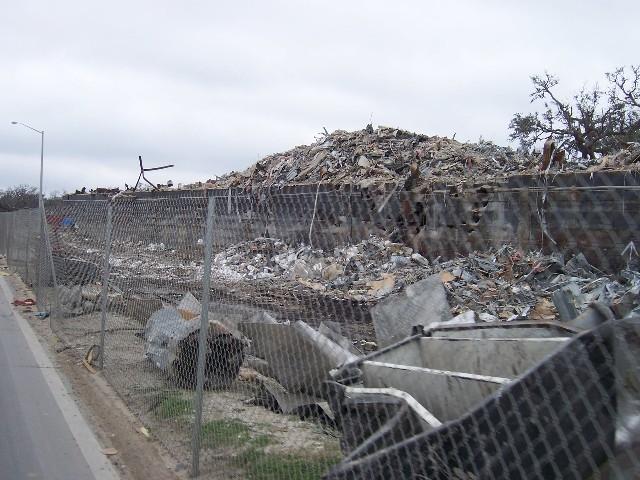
[274, 396]
[493, 436]
[299, 356]
[165, 329]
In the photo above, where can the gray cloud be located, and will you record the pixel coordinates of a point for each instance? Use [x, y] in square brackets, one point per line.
[214, 87]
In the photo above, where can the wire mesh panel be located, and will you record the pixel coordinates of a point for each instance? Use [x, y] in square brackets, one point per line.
[463, 331]
[153, 313]
[6, 237]
[76, 238]
[480, 332]
[20, 242]
[272, 419]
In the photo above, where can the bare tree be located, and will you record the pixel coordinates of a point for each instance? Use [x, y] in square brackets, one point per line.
[15, 198]
[594, 122]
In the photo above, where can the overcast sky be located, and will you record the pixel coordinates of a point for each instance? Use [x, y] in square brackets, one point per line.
[213, 86]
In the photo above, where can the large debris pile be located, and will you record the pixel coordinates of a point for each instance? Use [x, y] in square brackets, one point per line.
[384, 155]
[504, 283]
[409, 160]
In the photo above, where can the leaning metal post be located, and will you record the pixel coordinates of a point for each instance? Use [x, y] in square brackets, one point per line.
[54, 278]
[105, 282]
[202, 340]
[26, 249]
[39, 270]
[12, 238]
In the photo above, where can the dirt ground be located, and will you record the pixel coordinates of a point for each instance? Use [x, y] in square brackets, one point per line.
[239, 440]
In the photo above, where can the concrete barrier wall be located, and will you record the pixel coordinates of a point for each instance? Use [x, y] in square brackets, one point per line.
[597, 214]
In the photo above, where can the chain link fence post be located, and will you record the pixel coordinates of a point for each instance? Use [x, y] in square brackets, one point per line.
[26, 255]
[55, 308]
[11, 239]
[39, 275]
[105, 282]
[202, 338]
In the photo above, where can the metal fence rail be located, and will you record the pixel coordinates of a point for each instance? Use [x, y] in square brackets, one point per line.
[344, 334]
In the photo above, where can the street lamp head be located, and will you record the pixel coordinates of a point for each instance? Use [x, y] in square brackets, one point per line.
[14, 123]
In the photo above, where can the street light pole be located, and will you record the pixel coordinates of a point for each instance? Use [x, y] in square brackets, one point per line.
[41, 132]
[43, 222]
[41, 166]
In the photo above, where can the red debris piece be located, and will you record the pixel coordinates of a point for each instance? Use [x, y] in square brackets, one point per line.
[27, 302]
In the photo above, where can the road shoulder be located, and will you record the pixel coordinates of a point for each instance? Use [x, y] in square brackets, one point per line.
[113, 424]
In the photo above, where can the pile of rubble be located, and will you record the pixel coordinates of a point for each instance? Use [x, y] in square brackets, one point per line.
[628, 159]
[367, 270]
[153, 261]
[411, 161]
[407, 160]
[505, 284]
[384, 155]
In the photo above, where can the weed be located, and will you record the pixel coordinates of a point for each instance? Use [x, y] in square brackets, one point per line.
[261, 441]
[259, 465]
[173, 405]
[220, 433]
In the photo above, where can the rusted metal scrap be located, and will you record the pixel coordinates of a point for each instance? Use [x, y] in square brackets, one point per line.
[143, 177]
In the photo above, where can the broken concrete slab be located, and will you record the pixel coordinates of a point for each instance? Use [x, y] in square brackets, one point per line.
[331, 350]
[564, 301]
[421, 303]
[595, 315]
[163, 331]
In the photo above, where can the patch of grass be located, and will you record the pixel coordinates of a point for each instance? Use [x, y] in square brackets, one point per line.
[173, 405]
[259, 465]
[261, 441]
[221, 433]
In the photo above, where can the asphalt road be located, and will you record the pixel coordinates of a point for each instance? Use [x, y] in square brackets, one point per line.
[40, 426]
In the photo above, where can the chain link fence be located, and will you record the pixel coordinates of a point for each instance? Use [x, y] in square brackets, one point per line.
[341, 333]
